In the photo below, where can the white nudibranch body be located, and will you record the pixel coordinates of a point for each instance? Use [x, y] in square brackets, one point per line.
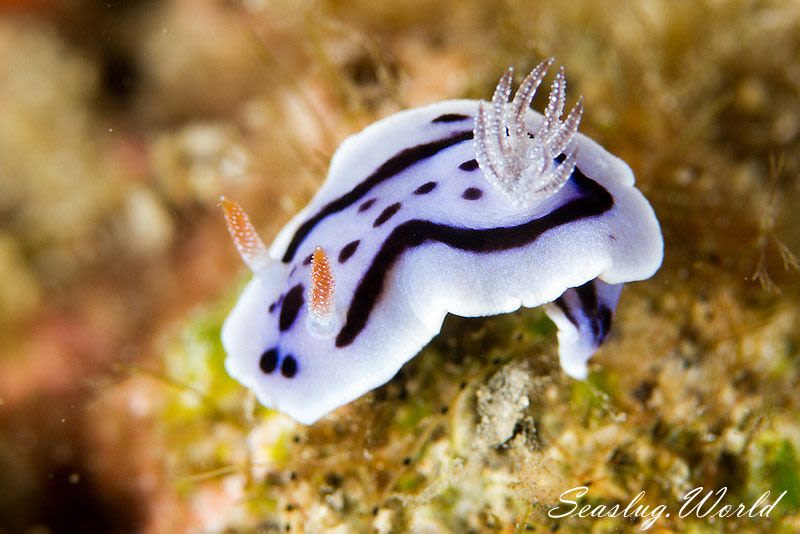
[462, 207]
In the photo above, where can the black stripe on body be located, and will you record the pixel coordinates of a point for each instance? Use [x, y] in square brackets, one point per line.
[604, 321]
[597, 313]
[562, 305]
[593, 200]
[588, 298]
[451, 117]
[392, 167]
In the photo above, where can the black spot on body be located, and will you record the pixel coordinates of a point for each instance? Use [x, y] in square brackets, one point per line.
[366, 205]
[292, 303]
[593, 200]
[425, 188]
[308, 259]
[289, 366]
[348, 250]
[451, 117]
[387, 214]
[469, 165]
[268, 361]
[472, 193]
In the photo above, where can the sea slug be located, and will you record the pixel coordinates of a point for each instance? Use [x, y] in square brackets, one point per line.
[466, 207]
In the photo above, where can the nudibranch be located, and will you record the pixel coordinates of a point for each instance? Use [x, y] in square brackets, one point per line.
[466, 207]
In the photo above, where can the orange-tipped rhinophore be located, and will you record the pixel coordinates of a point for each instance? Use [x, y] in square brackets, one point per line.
[250, 246]
[321, 306]
[322, 285]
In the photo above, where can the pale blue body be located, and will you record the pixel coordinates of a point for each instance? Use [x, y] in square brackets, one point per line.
[430, 279]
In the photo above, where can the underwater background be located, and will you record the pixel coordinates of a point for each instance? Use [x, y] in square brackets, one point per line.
[122, 122]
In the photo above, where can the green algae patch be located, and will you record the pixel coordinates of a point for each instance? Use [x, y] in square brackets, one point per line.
[409, 416]
[196, 365]
[780, 471]
[592, 399]
[537, 323]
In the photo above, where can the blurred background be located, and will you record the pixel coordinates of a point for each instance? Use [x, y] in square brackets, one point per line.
[123, 121]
